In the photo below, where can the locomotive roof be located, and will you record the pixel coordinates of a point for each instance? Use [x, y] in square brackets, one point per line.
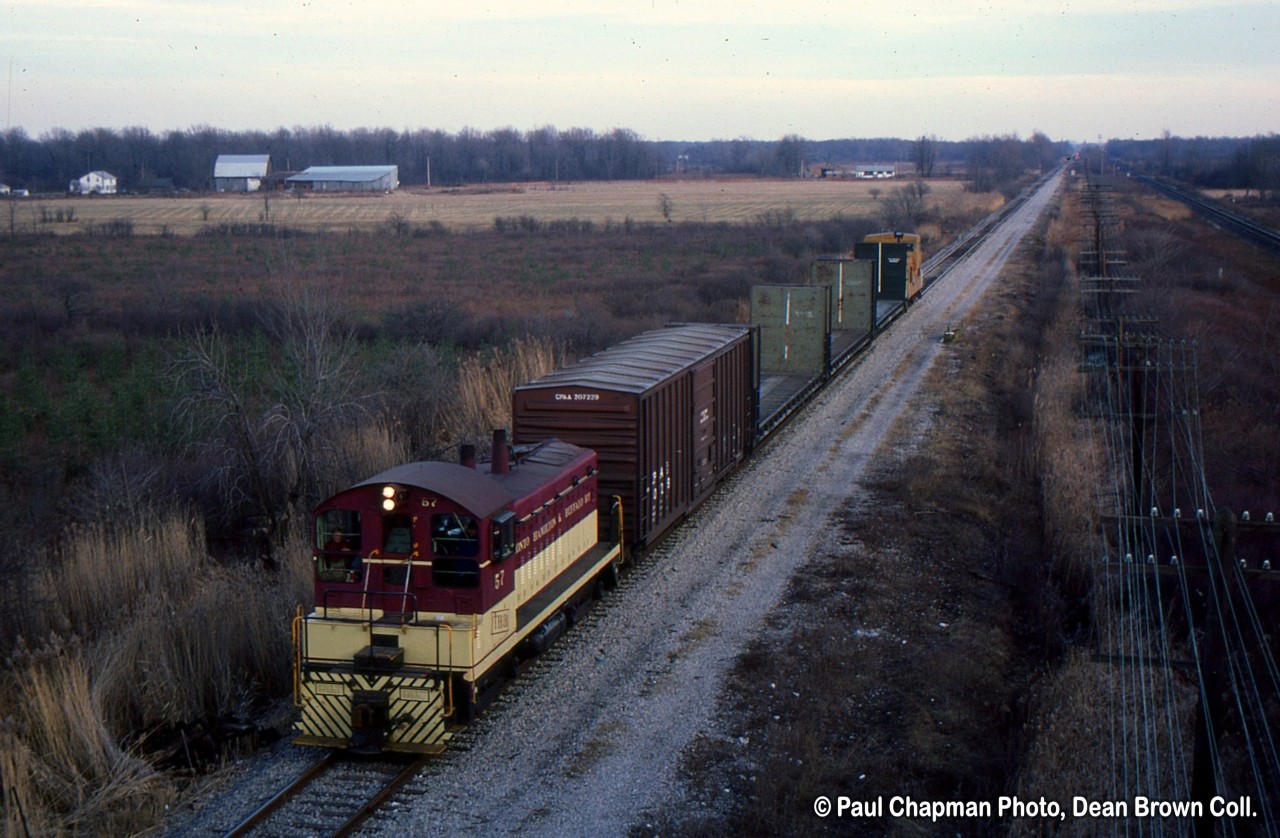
[644, 361]
[476, 489]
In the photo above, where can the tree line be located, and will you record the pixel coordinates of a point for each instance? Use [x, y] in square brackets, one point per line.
[144, 160]
[1250, 164]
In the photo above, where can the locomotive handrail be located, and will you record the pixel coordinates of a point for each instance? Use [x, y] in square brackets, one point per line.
[405, 597]
[295, 631]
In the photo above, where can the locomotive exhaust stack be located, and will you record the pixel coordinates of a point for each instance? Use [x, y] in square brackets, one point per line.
[501, 463]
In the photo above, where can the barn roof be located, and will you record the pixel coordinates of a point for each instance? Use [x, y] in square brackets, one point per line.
[241, 165]
[344, 174]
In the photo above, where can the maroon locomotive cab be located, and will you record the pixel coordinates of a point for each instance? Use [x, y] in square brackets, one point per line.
[669, 413]
[430, 579]
[399, 549]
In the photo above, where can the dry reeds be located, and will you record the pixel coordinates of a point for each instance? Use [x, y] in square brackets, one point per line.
[63, 771]
[485, 382]
[106, 570]
[214, 652]
[160, 635]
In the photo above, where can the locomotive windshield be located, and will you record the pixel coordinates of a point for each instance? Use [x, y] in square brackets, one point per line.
[455, 541]
[453, 534]
[338, 540]
[397, 534]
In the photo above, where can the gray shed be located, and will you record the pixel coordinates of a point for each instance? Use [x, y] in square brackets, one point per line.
[347, 178]
[240, 172]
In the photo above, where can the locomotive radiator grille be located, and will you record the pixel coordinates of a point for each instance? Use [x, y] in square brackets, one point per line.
[415, 710]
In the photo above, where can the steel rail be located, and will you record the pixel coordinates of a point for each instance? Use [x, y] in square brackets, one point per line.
[317, 770]
[1240, 225]
[283, 796]
[376, 802]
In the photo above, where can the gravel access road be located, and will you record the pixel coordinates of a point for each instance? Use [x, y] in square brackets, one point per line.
[591, 740]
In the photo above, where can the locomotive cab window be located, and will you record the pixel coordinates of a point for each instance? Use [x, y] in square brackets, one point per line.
[338, 542]
[397, 534]
[453, 534]
[502, 538]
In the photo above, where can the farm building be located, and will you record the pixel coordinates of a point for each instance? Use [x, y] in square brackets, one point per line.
[875, 170]
[240, 172]
[94, 183]
[347, 178]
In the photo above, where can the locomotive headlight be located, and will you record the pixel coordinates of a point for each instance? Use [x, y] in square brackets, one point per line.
[389, 504]
[389, 498]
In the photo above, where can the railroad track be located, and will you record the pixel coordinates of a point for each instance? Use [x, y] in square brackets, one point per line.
[332, 797]
[1245, 228]
[937, 265]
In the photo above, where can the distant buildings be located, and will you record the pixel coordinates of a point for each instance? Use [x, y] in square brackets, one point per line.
[94, 183]
[875, 170]
[240, 172]
[861, 171]
[346, 178]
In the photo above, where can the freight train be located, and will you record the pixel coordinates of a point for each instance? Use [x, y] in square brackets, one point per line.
[434, 581]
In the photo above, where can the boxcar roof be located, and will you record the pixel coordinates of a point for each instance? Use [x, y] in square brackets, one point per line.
[644, 361]
[476, 489]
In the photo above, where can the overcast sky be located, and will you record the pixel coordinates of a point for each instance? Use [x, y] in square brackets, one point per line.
[668, 69]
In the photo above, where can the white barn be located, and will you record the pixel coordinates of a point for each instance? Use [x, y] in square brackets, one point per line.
[94, 183]
[240, 172]
[875, 170]
[347, 178]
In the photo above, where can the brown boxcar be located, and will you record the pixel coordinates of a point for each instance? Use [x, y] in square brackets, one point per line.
[669, 412]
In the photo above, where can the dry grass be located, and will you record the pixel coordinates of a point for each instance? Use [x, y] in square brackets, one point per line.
[482, 397]
[732, 201]
[1072, 749]
[63, 772]
[105, 571]
[159, 635]
[183, 660]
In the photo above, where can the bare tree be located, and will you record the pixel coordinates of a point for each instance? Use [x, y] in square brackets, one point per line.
[906, 205]
[924, 152]
[665, 205]
[269, 432]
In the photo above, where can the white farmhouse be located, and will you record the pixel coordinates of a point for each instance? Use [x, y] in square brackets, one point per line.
[240, 172]
[94, 183]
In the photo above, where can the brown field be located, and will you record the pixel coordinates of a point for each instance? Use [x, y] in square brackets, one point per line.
[475, 207]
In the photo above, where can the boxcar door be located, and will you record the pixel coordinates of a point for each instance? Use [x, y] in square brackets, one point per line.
[704, 428]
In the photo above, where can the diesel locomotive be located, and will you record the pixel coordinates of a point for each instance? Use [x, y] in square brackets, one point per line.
[432, 580]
